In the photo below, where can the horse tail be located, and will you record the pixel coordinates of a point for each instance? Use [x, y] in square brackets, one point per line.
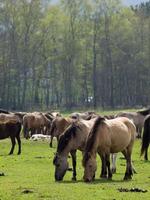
[146, 135]
[91, 138]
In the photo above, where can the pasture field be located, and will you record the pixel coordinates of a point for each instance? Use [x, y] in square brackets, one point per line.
[31, 176]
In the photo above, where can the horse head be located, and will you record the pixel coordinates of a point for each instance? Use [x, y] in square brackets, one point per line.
[61, 166]
[90, 167]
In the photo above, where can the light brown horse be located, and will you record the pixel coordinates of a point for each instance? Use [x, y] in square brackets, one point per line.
[137, 118]
[85, 115]
[58, 126]
[7, 117]
[108, 136]
[35, 123]
[73, 139]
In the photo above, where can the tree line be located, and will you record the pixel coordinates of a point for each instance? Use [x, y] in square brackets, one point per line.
[83, 53]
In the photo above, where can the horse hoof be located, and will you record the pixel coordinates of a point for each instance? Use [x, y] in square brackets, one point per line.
[103, 176]
[113, 171]
[74, 179]
[127, 178]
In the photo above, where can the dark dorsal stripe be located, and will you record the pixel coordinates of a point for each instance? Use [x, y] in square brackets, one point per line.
[144, 112]
[65, 138]
[92, 138]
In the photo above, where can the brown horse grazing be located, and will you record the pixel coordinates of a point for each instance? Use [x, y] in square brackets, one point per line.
[73, 139]
[11, 129]
[137, 118]
[58, 126]
[146, 138]
[108, 136]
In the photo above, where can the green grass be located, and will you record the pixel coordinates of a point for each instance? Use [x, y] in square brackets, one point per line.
[33, 170]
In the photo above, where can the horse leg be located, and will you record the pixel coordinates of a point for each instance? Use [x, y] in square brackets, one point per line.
[19, 144]
[128, 173]
[107, 157]
[13, 145]
[51, 141]
[103, 167]
[113, 158]
[146, 154]
[73, 155]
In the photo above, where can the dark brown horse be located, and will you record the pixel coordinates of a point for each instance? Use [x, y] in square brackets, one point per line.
[146, 138]
[11, 129]
[108, 136]
[137, 118]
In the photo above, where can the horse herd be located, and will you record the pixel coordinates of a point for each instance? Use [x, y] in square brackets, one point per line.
[88, 132]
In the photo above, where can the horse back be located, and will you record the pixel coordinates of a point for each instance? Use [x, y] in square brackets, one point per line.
[9, 129]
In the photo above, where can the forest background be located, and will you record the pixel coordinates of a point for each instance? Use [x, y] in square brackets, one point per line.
[74, 54]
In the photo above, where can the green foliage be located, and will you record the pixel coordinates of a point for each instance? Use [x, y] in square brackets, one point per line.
[56, 56]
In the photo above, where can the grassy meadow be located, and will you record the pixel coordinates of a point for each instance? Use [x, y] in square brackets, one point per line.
[31, 176]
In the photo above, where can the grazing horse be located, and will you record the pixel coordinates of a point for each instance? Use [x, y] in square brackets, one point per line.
[11, 128]
[73, 139]
[146, 138]
[137, 118]
[58, 126]
[108, 136]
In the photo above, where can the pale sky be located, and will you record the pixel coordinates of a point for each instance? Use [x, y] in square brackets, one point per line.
[126, 2]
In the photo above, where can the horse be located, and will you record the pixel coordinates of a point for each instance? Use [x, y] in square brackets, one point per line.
[35, 122]
[11, 128]
[146, 138]
[73, 139]
[108, 136]
[10, 116]
[137, 118]
[58, 126]
[85, 115]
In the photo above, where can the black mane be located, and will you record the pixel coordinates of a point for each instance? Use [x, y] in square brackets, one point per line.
[65, 138]
[91, 138]
[144, 112]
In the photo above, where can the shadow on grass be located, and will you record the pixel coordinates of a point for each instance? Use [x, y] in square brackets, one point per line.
[96, 181]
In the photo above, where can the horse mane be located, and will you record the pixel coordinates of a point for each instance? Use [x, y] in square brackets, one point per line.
[65, 138]
[4, 111]
[91, 138]
[144, 112]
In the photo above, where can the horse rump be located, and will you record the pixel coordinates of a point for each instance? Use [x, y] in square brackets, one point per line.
[146, 137]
